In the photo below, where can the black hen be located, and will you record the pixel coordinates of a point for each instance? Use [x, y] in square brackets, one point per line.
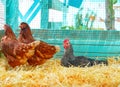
[70, 60]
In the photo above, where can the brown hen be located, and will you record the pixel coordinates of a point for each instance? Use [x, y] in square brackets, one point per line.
[17, 53]
[43, 52]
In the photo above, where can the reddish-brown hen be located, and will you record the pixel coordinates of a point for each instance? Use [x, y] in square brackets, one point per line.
[17, 53]
[43, 52]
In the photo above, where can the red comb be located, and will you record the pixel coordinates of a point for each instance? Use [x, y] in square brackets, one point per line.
[66, 40]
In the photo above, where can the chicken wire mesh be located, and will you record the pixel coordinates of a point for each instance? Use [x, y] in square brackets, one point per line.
[54, 20]
[57, 14]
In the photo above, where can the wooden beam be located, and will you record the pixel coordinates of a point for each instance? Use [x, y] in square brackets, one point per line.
[12, 13]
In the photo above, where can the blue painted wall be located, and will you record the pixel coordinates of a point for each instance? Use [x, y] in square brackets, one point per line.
[12, 13]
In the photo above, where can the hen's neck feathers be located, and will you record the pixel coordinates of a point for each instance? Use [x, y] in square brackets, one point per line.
[26, 34]
[9, 33]
[69, 53]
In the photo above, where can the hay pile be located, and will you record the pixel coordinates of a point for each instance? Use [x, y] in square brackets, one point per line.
[52, 74]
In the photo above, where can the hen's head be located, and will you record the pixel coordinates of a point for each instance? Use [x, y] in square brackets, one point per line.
[66, 43]
[24, 25]
[25, 33]
[7, 28]
[8, 32]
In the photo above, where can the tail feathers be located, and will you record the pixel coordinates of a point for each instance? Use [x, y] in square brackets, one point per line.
[94, 62]
[103, 62]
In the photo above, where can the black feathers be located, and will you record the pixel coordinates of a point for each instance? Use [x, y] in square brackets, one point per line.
[69, 59]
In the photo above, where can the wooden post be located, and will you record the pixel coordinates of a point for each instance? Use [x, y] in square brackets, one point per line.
[110, 18]
[12, 13]
[45, 14]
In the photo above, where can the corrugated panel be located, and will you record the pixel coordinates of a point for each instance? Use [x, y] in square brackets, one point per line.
[77, 34]
[91, 43]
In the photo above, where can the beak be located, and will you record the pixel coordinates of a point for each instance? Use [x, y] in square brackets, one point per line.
[64, 46]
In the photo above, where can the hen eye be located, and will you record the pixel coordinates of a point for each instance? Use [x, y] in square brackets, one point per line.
[67, 43]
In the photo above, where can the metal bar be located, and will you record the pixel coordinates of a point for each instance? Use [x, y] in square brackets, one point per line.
[34, 13]
[30, 10]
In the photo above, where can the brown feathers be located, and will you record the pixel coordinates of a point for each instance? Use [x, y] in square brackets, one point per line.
[43, 51]
[17, 53]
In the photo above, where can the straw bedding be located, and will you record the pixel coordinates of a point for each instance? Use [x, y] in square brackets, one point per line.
[52, 74]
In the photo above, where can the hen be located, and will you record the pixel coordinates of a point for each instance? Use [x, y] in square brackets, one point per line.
[17, 53]
[43, 52]
[69, 59]
[25, 35]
